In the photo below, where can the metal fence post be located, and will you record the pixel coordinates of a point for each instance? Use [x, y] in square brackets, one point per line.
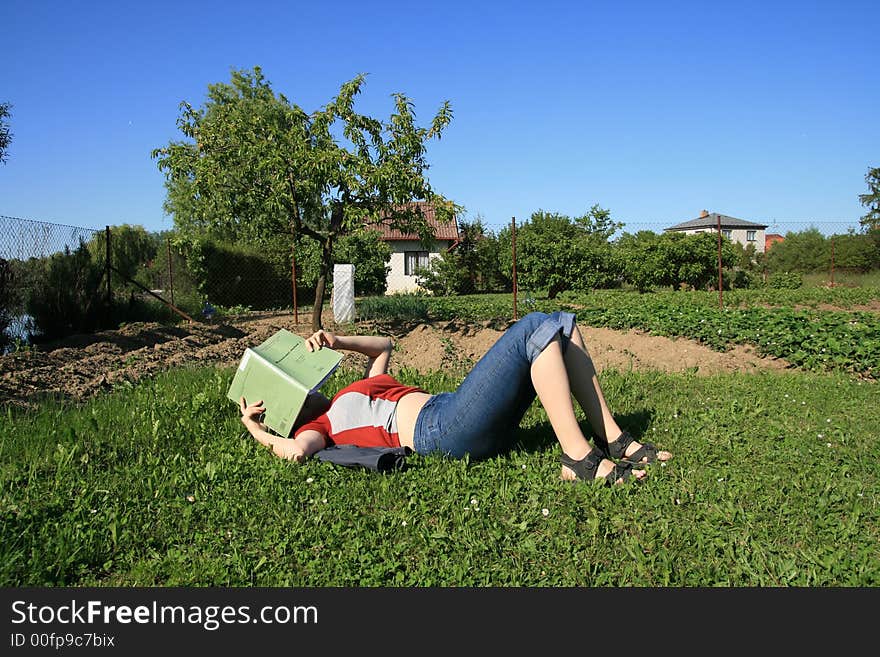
[108, 267]
[720, 282]
[832, 261]
[293, 279]
[513, 247]
[170, 270]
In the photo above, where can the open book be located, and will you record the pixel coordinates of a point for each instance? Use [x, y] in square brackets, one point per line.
[282, 372]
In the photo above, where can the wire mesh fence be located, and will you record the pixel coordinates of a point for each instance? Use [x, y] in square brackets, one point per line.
[231, 275]
[24, 243]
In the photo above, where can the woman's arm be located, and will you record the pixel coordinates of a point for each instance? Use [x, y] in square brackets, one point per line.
[294, 449]
[376, 348]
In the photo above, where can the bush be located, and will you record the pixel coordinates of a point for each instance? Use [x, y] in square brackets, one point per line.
[785, 281]
[396, 307]
[233, 275]
[66, 297]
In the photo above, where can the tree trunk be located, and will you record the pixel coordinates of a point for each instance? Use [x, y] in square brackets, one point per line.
[321, 285]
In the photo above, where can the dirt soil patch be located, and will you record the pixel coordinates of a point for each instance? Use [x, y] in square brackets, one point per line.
[84, 365]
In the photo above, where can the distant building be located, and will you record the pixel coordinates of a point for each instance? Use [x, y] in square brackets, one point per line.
[738, 230]
[771, 239]
[408, 253]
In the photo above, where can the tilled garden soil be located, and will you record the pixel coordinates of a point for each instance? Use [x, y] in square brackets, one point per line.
[84, 365]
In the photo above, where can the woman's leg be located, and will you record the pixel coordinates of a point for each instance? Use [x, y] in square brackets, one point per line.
[585, 386]
[550, 377]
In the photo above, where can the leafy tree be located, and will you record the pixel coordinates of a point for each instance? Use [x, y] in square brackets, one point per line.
[858, 253]
[492, 275]
[643, 260]
[370, 255]
[871, 200]
[672, 259]
[258, 169]
[472, 266]
[131, 248]
[693, 259]
[557, 253]
[7, 302]
[68, 297]
[5, 134]
[804, 251]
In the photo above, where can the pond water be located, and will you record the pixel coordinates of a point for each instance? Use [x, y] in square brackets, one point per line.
[19, 331]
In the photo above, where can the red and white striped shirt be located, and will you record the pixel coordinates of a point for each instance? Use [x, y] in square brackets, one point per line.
[363, 413]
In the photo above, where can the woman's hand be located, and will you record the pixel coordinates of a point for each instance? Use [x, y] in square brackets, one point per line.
[251, 413]
[294, 449]
[320, 338]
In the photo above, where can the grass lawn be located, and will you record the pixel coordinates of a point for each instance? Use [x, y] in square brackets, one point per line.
[774, 483]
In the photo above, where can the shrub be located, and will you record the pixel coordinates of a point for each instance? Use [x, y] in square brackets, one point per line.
[67, 296]
[396, 307]
[788, 280]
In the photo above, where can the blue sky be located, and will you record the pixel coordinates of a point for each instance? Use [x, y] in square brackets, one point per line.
[766, 111]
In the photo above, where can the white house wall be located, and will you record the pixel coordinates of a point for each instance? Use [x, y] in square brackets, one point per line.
[737, 235]
[398, 281]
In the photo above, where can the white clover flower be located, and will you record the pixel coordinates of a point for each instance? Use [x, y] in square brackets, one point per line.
[474, 500]
[545, 512]
[310, 480]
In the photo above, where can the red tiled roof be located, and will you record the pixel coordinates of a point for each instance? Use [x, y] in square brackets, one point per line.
[772, 238]
[443, 230]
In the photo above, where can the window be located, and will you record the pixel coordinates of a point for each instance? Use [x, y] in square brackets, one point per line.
[750, 235]
[726, 232]
[412, 260]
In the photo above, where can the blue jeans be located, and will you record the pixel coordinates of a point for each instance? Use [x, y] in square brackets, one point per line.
[481, 417]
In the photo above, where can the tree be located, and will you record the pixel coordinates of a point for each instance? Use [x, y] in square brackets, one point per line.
[131, 247]
[643, 259]
[672, 259]
[472, 266]
[259, 168]
[871, 200]
[5, 134]
[803, 252]
[370, 255]
[557, 253]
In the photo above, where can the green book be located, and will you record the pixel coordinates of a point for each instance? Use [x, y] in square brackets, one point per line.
[282, 372]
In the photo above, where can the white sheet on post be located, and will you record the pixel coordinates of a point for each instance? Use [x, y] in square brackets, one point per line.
[343, 293]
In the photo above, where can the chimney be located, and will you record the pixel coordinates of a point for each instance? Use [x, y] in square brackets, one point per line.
[703, 214]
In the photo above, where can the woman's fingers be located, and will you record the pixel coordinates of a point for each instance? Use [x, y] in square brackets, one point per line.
[251, 409]
[318, 339]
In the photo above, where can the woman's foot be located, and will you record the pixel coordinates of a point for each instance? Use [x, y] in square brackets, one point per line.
[594, 467]
[629, 450]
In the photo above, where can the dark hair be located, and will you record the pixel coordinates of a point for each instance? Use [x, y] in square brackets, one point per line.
[315, 405]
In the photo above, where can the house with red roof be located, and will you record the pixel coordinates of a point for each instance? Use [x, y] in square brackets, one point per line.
[770, 239]
[408, 253]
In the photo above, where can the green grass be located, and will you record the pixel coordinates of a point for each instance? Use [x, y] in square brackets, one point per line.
[774, 483]
[844, 278]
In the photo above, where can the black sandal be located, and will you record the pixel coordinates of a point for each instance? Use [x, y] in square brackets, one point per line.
[587, 467]
[617, 450]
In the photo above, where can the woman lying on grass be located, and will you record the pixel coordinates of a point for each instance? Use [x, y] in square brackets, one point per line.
[540, 354]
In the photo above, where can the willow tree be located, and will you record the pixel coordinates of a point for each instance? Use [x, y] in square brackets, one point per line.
[255, 166]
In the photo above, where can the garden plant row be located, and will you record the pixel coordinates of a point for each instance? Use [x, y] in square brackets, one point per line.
[806, 337]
